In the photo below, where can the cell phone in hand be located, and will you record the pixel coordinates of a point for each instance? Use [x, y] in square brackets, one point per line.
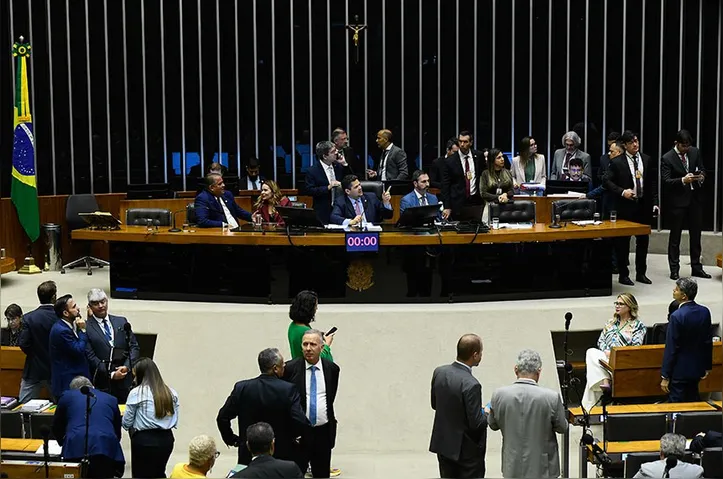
[331, 331]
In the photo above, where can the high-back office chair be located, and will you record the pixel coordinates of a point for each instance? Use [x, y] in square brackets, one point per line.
[140, 216]
[12, 425]
[712, 462]
[513, 212]
[81, 204]
[376, 187]
[36, 423]
[691, 423]
[636, 427]
[634, 460]
[191, 214]
[574, 210]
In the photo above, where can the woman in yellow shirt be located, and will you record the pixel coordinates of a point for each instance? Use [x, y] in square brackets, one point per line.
[202, 454]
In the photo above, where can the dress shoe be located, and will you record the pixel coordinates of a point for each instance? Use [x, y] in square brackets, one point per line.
[699, 273]
[641, 278]
[674, 275]
[626, 281]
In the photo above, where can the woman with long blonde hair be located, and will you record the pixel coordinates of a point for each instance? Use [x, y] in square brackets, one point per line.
[624, 329]
[269, 199]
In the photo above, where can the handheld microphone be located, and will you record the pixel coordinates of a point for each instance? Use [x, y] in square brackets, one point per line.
[85, 390]
[599, 454]
[45, 434]
[568, 318]
[670, 463]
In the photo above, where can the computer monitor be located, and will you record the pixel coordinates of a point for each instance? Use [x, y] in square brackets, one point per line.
[470, 213]
[299, 217]
[398, 187]
[149, 191]
[418, 216]
[563, 186]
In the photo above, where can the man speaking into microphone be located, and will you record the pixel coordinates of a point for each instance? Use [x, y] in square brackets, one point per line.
[112, 347]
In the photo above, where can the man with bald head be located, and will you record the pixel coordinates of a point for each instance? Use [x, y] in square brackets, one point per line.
[459, 434]
[393, 162]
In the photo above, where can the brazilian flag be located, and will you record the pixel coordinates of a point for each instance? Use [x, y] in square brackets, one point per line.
[24, 189]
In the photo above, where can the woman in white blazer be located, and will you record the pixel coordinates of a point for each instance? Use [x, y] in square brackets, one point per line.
[529, 167]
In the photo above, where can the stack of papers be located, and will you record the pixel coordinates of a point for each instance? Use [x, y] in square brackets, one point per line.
[517, 226]
[36, 405]
[367, 227]
[8, 402]
[54, 449]
[586, 222]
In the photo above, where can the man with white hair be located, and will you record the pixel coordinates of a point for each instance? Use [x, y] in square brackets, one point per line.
[112, 347]
[528, 416]
[672, 450]
[561, 160]
[202, 454]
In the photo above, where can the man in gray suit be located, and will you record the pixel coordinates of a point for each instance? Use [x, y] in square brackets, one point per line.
[561, 160]
[528, 416]
[392, 163]
[459, 434]
[672, 450]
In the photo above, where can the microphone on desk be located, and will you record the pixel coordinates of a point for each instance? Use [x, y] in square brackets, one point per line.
[670, 463]
[568, 318]
[599, 454]
[174, 229]
[85, 390]
[45, 434]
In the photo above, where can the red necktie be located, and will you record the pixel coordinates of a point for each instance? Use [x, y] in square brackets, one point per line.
[466, 176]
[684, 160]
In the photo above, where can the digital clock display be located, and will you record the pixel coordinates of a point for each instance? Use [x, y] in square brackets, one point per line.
[362, 242]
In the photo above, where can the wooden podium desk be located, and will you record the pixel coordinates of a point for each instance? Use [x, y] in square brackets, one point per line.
[271, 266]
[36, 469]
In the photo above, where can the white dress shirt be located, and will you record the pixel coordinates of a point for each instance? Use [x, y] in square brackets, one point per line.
[355, 202]
[102, 328]
[473, 180]
[687, 165]
[72, 326]
[383, 164]
[321, 415]
[330, 176]
[419, 198]
[251, 185]
[631, 165]
[232, 223]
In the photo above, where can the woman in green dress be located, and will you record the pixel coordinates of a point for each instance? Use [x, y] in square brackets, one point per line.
[302, 312]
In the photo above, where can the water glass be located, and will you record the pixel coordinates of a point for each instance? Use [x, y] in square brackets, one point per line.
[495, 223]
[224, 227]
[596, 217]
[149, 225]
[613, 216]
[2, 253]
[185, 227]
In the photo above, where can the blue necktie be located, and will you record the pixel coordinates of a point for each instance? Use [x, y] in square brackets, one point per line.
[312, 399]
[106, 329]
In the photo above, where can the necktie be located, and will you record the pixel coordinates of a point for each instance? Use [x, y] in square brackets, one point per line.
[253, 185]
[638, 176]
[383, 165]
[423, 200]
[467, 185]
[685, 161]
[312, 398]
[357, 207]
[106, 329]
[566, 163]
[332, 177]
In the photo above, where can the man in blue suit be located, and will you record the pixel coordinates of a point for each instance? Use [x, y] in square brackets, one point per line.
[688, 356]
[420, 196]
[104, 429]
[34, 339]
[68, 341]
[357, 208]
[215, 205]
[322, 179]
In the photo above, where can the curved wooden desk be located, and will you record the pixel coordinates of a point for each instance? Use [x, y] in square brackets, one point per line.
[271, 267]
[7, 265]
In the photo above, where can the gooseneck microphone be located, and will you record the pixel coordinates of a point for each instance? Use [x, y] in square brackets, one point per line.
[599, 454]
[85, 390]
[568, 318]
[45, 434]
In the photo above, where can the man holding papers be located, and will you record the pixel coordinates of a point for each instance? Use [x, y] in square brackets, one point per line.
[357, 208]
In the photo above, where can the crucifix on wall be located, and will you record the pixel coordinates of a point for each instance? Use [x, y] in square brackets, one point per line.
[356, 28]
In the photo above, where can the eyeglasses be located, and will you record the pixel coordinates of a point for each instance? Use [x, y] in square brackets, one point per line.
[218, 453]
[618, 303]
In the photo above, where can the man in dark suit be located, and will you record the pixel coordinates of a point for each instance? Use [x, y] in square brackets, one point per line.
[323, 179]
[393, 161]
[682, 173]
[358, 208]
[688, 355]
[108, 339]
[104, 429]
[632, 180]
[68, 342]
[266, 398]
[252, 179]
[459, 433]
[34, 341]
[435, 170]
[215, 205]
[460, 177]
[345, 152]
[260, 443]
[318, 380]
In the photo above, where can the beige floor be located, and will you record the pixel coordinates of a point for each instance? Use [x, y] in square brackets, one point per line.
[386, 354]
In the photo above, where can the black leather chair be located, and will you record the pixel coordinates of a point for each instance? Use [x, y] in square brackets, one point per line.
[634, 460]
[12, 425]
[81, 204]
[36, 423]
[636, 427]
[191, 213]
[573, 210]
[657, 335]
[691, 423]
[376, 187]
[140, 216]
[513, 212]
[712, 462]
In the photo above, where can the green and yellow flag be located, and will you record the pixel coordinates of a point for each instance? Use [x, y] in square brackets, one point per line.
[24, 189]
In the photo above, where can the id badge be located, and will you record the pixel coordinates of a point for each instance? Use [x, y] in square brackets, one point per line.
[638, 175]
[499, 191]
[469, 175]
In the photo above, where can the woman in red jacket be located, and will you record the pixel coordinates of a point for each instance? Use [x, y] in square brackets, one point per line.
[269, 199]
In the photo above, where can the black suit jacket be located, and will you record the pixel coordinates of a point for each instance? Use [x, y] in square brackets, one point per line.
[268, 466]
[317, 186]
[263, 399]
[435, 173]
[356, 166]
[295, 373]
[98, 350]
[453, 179]
[688, 343]
[395, 165]
[374, 210]
[679, 195]
[35, 342]
[619, 178]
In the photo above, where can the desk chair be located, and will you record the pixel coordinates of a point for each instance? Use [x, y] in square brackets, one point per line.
[81, 204]
[191, 214]
[12, 425]
[376, 187]
[712, 462]
[140, 216]
[636, 427]
[573, 210]
[513, 212]
[36, 423]
[691, 423]
[634, 460]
